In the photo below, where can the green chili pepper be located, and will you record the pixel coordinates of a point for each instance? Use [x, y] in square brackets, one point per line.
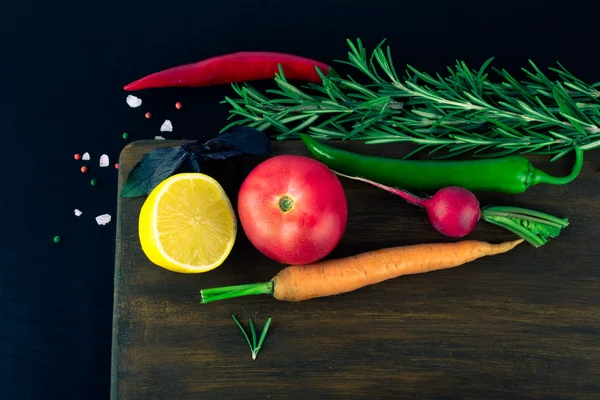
[512, 174]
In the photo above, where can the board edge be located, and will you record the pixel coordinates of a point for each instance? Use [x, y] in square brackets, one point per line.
[114, 363]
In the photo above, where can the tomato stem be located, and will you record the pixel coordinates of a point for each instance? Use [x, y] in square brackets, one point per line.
[286, 203]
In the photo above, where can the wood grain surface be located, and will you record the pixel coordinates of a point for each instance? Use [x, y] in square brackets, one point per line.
[522, 325]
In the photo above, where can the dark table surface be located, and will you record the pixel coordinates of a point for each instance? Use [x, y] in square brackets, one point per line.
[63, 67]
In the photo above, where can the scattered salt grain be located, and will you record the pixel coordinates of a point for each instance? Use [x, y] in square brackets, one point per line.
[103, 219]
[104, 160]
[77, 212]
[159, 138]
[86, 157]
[133, 101]
[167, 126]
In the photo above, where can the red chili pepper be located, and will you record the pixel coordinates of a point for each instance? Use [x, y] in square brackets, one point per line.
[235, 67]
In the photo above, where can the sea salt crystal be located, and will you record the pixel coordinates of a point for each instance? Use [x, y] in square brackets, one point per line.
[85, 157]
[77, 212]
[133, 101]
[167, 126]
[104, 160]
[103, 219]
[159, 138]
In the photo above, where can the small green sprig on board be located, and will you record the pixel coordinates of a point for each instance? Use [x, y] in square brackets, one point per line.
[461, 112]
[255, 345]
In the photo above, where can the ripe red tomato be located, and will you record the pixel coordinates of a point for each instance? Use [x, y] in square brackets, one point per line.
[293, 209]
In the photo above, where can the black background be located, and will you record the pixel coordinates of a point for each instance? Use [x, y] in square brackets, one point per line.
[63, 67]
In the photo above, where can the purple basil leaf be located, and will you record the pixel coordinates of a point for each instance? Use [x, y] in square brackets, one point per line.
[219, 155]
[242, 138]
[153, 168]
[193, 164]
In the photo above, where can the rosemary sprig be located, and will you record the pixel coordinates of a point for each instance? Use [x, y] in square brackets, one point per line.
[464, 111]
[255, 344]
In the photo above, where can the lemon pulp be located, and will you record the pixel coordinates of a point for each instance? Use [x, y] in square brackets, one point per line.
[187, 224]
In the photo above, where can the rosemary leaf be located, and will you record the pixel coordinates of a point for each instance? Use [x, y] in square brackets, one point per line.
[380, 141]
[255, 94]
[361, 89]
[560, 155]
[293, 118]
[244, 332]
[380, 103]
[253, 330]
[361, 126]
[591, 145]
[376, 76]
[277, 124]
[391, 65]
[327, 132]
[483, 67]
[304, 124]
[496, 154]
[424, 76]
[236, 123]
[290, 89]
[456, 151]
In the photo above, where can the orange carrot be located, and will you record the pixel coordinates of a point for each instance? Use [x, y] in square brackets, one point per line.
[331, 277]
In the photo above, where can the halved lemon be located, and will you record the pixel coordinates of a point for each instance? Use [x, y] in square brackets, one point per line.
[187, 224]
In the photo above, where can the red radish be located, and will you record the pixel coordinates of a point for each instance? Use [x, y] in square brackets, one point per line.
[453, 211]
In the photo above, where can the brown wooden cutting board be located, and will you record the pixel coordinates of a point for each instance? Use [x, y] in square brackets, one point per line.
[525, 324]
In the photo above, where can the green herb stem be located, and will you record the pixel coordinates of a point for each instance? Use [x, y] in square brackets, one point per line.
[515, 228]
[230, 292]
[518, 212]
[225, 289]
[533, 226]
